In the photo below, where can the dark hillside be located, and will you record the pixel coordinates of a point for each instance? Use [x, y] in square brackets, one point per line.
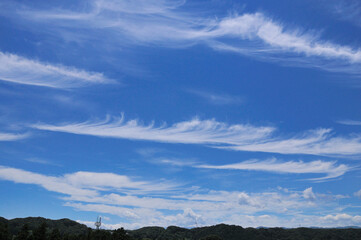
[65, 226]
[232, 232]
[35, 228]
[147, 232]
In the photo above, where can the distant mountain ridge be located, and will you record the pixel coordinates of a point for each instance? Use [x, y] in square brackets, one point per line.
[65, 226]
[72, 228]
[233, 232]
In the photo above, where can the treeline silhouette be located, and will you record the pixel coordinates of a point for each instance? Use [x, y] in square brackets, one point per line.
[45, 229]
[65, 229]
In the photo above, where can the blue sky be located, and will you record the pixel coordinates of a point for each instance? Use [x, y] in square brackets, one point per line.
[181, 113]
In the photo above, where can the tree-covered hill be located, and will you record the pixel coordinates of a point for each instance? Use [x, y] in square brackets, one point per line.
[37, 228]
[232, 232]
[65, 226]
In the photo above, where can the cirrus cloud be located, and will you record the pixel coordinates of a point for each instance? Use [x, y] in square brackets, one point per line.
[17, 69]
[166, 23]
[238, 137]
[331, 169]
[13, 136]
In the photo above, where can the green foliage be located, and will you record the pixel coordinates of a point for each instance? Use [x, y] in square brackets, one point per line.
[146, 233]
[231, 232]
[211, 237]
[65, 229]
[65, 226]
[40, 232]
[55, 235]
[4, 231]
[120, 234]
[24, 233]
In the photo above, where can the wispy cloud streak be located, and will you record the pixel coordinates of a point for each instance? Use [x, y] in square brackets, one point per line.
[257, 26]
[350, 122]
[194, 131]
[331, 169]
[239, 137]
[166, 23]
[318, 142]
[85, 184]
[217, 99]
[346, 10]
[358, 193]
[13, 136]
[17, 69]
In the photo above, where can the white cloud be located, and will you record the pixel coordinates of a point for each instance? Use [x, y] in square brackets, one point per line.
[41, 161]
[239, 137]
[257, 26]
[343, 218]
[217, 99]
[346, 10]
[272, 201]
[50, 183]
[133, 214]
[92, 179]
[317, 142]
[194, 131]
[205, 204]
[265, 220]
[174, 162]
[148, 218]
[166, 23]
[84, 184]
[331, 169]
[149, 204]
[358, 193]
[13, 136]
[327, 221]
[229, 207]
[17, 69]
[125, 225]
[245, 199]
[350, 122]
[308, 194]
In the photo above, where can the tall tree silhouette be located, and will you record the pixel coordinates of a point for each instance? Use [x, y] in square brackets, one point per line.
[40, 232]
